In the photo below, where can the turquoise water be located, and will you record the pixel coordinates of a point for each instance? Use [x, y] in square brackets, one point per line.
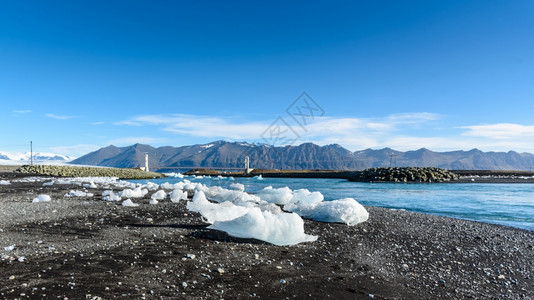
[505, 204]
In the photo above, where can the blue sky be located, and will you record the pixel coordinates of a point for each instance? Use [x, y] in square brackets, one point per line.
[445, 75]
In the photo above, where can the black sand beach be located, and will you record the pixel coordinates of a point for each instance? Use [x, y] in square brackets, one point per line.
[88, 248]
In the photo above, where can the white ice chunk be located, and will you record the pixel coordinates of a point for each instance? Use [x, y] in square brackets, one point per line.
[129, 203]
[9, 248]
[159, 195]
[138, 192]
[215, 212]
[151, 186]
[189, 186]
[219, 194]
[178, 195]
[201, 187]
[77, 194]
[42, 198]
[109, 195]
[167, 186]
[4, 182]
[305, 197]
[346, 210]
[64, 181]
[172, 174]
[90, 185]
[277, 196]
[237, 187]
[279, 229]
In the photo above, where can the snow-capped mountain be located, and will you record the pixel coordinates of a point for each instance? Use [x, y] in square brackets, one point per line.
[38, 157]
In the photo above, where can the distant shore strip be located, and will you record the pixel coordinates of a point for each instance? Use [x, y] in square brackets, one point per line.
[391, 174]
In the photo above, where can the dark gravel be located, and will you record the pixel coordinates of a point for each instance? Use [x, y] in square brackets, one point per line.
[79, 248]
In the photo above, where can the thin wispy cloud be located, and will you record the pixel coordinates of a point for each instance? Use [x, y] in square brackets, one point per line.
[500, 131]
[368, 132]
[59, 117]
[21, 112]
[407, 131]
[75, 150]
[200, 126]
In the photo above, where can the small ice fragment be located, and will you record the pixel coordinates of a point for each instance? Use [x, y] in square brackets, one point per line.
[129, 203]
[42, 198]
[159, 195]
[237, 187]
[178, 195]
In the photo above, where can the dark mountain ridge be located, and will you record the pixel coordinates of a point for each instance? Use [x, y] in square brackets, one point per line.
[222, 154]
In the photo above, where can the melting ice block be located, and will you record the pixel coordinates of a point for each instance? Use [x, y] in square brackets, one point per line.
[346, 210]
[279, 229]
[138, 192]
[178, 195]
[42, 198]
[215, 211]
[277, 196]
[237, 187]
[129, 203]
[159, 195]
[305, 197]
[109, 195]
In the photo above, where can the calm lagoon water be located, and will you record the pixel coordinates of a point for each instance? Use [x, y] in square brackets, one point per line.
[505, 204]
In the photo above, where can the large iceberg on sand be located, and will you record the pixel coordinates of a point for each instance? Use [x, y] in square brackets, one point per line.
[346, 210]
[280, 229]
[251, 222]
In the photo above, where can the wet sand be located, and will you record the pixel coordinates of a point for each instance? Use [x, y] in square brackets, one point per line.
[89, 248]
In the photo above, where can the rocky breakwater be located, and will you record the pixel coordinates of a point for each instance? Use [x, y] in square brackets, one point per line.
[405, 174]
[73, 171]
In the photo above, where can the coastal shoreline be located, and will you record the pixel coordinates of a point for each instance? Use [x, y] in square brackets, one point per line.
[87, 247]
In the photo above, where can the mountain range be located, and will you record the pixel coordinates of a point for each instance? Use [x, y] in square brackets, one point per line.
[38, 157]
[222, 154]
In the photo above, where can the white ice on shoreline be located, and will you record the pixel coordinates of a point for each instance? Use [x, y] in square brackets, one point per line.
[129, 203]
[251, 222]
[237, 187]
[42, 198]
[73, 193]
[214, 212]
[137, 192]
[177, 195]
[232, 210]
[279, 196]
[4, 182]
[347, 211]
[109, 195]
[280, 229]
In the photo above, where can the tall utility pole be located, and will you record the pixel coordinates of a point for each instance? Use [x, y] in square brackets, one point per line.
[31, 153]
